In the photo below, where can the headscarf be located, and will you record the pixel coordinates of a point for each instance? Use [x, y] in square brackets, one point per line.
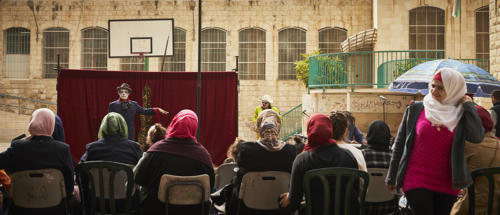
[183, 125]
[59, 130]
[269, 121]
[378, 136]
[181, 140]
[113, 124]
[42, 122]
[447, 112]
[319, 132]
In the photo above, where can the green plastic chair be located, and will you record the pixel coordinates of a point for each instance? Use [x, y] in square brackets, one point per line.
[108, 182]
[339, 173]
[489, 173]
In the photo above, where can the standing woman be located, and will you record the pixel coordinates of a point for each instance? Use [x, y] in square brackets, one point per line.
[428, 159]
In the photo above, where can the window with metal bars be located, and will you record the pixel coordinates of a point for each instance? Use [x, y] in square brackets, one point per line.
[252, 56]
[94, 49]
[213, 49]
[178, 61]
[427, 29]
[292, 43]
[482, 33]
[132, 63]
[55, 42]
[16, 53]
[331, 38]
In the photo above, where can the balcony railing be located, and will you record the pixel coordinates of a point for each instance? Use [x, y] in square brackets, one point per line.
[292, 123]
[369, 69]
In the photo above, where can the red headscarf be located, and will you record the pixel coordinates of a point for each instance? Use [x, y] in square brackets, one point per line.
[184, 125]
[319, 132]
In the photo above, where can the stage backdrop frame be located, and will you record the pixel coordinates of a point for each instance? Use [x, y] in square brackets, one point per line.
[83, 97]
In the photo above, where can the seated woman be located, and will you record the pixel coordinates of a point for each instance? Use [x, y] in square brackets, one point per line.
[268, 153]
[378, 155]
[155, 133]
[39, 151]
[113, 144]
[321, 151]
[340, 125]
[178, 154]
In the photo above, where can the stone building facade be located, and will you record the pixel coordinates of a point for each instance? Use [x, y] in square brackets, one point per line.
[230, 18]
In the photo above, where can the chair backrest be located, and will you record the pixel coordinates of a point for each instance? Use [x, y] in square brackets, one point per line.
[261, 190]
[347, 175]
[105, 181]
[223, 174]
[377, 191]
[42, 188]
[489, 173]
[184, 190]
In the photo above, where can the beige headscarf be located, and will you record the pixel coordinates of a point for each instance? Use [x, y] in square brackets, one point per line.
[269, 121]
[447, 113]
[42, 122]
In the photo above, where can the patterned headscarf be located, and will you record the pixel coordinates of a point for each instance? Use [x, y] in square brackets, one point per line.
[42, 122]
[269, 125]
[113, 123]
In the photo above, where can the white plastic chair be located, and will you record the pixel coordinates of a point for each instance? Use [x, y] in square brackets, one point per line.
[184, 190]
[261, 190]
[377, 190]
[43, 188]
[223, 174]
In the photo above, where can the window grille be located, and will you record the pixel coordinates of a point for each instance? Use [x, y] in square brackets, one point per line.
[292, 43]
[482, 33]
[213, 50]
[252, 56]
[94, 49]
[55, 42]
[178, 61]
[427, 29]
[330, 39]
[132, 64]
[16, 53]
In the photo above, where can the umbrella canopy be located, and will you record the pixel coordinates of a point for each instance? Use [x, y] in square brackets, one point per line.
[479, 82]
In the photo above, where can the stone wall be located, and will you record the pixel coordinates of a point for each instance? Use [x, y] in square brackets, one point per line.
[494, 39]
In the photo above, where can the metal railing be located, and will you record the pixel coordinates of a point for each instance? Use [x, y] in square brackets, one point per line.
[23, 105]
[291, 123]
[364, 68]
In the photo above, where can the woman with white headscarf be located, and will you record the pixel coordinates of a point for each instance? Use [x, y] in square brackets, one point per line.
[268, 153]
[40, 151]
[428, 161]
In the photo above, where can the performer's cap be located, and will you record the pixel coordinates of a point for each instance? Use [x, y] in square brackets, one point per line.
[124, 86]
[266, 98]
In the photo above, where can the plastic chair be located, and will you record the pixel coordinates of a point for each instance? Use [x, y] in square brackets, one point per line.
[223, 174]
[348, 176]
[489, 173]
[42, 188]
[184, 190]
[377, 191]
[109, 182]
[261, 190]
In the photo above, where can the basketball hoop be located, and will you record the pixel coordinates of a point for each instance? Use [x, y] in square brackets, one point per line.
[141, 54]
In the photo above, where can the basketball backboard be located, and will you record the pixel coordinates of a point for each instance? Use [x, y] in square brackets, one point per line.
[150, 37]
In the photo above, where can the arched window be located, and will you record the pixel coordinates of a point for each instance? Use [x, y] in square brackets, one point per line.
[16, 53]
[292, 43]
[94, 48]
[330, 39]
[427, 29]
[213, 49]
[252, 56]
[178, 61]
[55, 42]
